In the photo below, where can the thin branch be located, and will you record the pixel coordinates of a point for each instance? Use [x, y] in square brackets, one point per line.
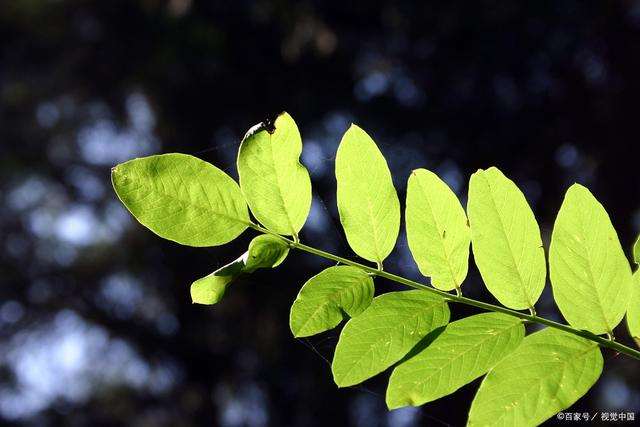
[602, 341]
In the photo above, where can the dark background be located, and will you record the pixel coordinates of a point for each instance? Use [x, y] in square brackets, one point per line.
[96, 323]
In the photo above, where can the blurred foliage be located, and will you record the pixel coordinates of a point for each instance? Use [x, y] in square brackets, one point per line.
[96, 321]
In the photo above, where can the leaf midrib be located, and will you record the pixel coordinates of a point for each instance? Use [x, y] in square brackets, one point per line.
[504, 233]
[538, 380]
[449, 362]
[200, 208]
[447, 255]
[354, 364]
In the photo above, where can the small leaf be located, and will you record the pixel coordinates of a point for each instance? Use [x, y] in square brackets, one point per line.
[437, 230]
[324, 300]
[546, 374]
[464, 351]
[384, 333]
[276, 185]
[506, 240]
[265, 251]
[182, 198]
[210, 289]
[636, 251]
[633, 310]
[367, 200]
[590, 274]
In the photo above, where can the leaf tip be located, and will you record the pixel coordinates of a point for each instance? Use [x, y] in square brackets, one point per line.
[577, 187]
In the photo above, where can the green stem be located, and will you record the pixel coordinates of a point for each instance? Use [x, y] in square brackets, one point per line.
[604, 342]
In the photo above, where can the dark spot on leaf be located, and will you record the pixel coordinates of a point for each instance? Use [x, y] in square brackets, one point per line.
[269, 124]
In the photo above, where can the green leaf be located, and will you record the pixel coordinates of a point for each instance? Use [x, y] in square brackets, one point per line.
[265, 251]
[590, 274]
[182, 198]
[633, 310]
[464, 351]
[636, 251]
[367, 200]
[506, 240]
[275, 184]
[546, 374]
[210, 289]
[437, 230]
[326, 299]
[384, 333]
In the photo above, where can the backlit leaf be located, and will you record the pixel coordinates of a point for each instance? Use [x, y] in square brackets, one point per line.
[464, 351]
[265, 251]
[506, 240]
[328, 297]
[276, 185]
[437, 230]
[182, 198]
[590, 274]
[210, 289]
[367, 200]
[636, 251]
[384, 333]
[546, 374]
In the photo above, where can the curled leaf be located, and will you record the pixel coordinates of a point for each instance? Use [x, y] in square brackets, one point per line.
[264, 251]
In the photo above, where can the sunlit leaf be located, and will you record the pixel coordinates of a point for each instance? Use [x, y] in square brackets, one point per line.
[437, 230]
[384, 333]
[210, 289]
[276, 185]
[182, 198]
[590, 274]
[265, 251]
[367, 200]
[464, 351]
[328, 297]
[546, 374]
[506, 240]
[636, 251]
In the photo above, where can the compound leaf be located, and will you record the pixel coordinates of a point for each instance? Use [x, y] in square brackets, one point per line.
[590, 275]
[328, 297]
[506, 240]
[182, 198]
[384, 333]
[546, 374]
[437, 230]
[276, 185]
[265, 251]
[367, 200]
[464, 351]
